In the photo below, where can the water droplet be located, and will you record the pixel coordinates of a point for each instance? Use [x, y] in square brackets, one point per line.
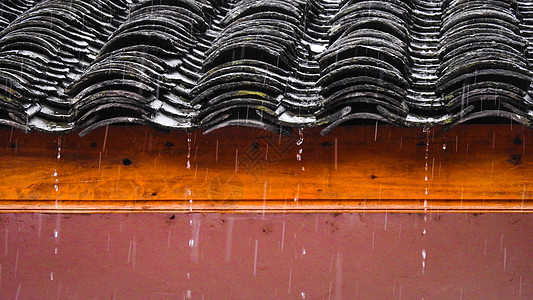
[58, 148]
[300, 137]
[299, 143]
[189, 140]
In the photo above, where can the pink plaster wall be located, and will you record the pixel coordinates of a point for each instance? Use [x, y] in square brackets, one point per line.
[293, 256]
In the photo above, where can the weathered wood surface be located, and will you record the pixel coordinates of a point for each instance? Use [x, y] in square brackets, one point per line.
[362, 168]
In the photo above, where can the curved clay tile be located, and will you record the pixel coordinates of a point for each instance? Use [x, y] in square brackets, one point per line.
[275, 64]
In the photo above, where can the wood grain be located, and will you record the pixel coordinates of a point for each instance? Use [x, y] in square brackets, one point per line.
[361, 168]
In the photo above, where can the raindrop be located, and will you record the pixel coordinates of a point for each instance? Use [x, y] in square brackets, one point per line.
[100, 162]
[264, 197]
[236, 160]
[504, 258]
[16, 263]
[255, 257]
[299, 143]
[189, 150]
[59, 148]
[283, 237]
[216, 152]
[18, 291]
[376, 132]
[105, 138]
[423, 266]
[300, 137]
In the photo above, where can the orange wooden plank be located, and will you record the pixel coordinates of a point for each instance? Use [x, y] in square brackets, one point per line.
[471, 167]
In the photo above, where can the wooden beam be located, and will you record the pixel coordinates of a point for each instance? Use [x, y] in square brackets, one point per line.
[362, 168]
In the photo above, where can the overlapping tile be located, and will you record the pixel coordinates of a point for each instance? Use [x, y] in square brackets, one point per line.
[181, 65]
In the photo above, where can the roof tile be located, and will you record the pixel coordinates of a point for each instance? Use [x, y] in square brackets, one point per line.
[70, 65]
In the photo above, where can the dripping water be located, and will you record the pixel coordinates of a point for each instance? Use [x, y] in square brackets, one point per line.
[189, 141]
[427, 132]
[299, 142]
[55, 174]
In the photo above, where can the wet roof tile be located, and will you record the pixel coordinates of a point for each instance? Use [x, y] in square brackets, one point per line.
[70, 65]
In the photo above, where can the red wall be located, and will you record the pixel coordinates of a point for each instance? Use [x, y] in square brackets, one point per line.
[293, 256]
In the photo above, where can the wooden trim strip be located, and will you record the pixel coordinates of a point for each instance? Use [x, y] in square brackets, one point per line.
[362, 168]
[272, 206]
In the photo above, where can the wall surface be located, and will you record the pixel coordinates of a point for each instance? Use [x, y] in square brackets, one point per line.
[272, 256]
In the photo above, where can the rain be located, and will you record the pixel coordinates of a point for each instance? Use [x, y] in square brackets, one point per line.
[254, 267]
[316, 123]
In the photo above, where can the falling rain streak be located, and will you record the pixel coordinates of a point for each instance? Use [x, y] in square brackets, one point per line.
[189, 145]
[337, 245]
[55, 174]
[255, 257]
[299, 143]
[427, 132]
[210, 32]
